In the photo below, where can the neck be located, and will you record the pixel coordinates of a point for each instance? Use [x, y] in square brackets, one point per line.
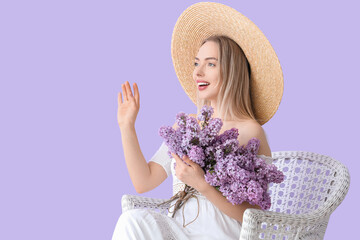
[217, 115]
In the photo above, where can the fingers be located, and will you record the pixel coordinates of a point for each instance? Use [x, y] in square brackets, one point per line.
[128, 93]
[128, 90]
[124, 91]
[119, 98]
[136, 93]
[177, 158]
[179, 163]
[187, 160]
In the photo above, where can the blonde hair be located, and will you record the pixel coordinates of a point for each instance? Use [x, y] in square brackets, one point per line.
[234, 97]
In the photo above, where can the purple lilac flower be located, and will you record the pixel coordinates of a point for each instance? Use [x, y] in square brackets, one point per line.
[243, 176]
[197, 155]
[274, 175]
[214, 126]
[232, 133]
[210, 131]
[192, 125]
[253, 145]
[254, 191]
[185, 141]
[234, 170]
[209, 150]
[171, 139]
[205, 113]
[266, 203]
[245, 162]
[230, 146]
[212, 179]
[181, 119]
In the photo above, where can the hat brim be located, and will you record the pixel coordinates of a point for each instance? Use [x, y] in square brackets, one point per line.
[205, 19]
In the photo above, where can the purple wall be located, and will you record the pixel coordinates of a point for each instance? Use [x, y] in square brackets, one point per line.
[62, 64]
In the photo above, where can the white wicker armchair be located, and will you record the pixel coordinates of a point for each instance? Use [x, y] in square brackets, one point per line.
[301, 206]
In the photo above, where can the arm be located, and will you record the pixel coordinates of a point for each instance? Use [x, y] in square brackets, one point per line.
[143, 180]
[138, 168]
[258, 132]
[144, 176]
[193, 176]
[216, 198]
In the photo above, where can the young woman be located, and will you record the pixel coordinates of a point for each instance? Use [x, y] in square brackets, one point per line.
[222, 64]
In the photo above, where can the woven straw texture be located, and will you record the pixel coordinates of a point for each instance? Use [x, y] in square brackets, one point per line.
[205, 19]
[313, 188]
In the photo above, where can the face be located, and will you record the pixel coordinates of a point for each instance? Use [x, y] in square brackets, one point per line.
[207, 68]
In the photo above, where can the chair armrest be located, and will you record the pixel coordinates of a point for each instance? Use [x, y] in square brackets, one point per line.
[259, 223]
[132, 202]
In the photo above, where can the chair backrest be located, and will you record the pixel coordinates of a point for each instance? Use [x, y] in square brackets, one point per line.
[312, 181]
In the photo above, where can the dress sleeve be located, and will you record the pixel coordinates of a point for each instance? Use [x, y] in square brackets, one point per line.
[162, 157]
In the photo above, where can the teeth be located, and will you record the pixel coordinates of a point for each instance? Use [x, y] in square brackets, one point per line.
[203, 84]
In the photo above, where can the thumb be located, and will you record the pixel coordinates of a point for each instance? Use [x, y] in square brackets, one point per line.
[136, 94]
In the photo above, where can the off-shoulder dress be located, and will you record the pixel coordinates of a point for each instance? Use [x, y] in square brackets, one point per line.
[146, 224]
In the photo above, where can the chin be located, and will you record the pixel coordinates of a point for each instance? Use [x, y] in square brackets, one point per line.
[205, 97]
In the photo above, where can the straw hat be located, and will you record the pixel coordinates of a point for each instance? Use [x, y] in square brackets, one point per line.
[205, 19]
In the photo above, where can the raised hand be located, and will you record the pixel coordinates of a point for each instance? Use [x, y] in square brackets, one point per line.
[129, 107]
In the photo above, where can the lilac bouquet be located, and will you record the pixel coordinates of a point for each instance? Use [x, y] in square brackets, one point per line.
[234, 170]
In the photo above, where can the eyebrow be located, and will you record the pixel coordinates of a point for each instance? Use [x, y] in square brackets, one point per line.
[207, 58]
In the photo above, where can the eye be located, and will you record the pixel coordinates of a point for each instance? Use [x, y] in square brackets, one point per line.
[213, 65]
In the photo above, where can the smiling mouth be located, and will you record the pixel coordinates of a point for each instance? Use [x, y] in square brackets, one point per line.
[203, 84]
[202, 87]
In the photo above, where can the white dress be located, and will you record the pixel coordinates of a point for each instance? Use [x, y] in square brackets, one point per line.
[211, 223]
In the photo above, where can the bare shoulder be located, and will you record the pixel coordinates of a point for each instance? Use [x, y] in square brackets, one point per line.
[253, 129]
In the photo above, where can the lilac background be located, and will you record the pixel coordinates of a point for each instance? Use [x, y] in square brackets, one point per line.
[62, 63]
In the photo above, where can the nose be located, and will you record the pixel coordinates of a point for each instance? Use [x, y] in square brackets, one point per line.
[199, 71]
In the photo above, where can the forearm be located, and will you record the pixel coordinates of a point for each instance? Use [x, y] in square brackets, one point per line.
[137, 166]
[234, 211]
